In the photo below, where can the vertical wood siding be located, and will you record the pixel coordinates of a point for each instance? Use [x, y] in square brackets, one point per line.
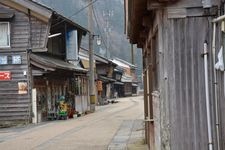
[183, 89]
[182, 117]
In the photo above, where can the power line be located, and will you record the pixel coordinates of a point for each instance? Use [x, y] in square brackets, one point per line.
[96, 20]
[77, 12]
[109, 36]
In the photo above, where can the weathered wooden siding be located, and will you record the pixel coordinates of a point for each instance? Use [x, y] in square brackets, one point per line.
[127, 89]
[24, 30]
[39, 33]
[221, 96]
[14, 106]
[191, 3]
[182, 83]
[24, 33]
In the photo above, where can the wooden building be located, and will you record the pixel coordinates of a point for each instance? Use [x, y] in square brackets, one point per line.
[103, 76]
[38, 50]
[118, 86]
[183, 94]
[128, 78]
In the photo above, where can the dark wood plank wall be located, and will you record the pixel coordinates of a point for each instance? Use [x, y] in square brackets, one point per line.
[20, 31]
[15, 107]
[38, 33]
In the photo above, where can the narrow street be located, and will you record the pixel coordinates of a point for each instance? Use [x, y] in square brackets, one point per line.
[90, 132]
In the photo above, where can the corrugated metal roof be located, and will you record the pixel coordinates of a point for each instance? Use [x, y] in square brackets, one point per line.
[107, 79]
[121, 64]
[126, 78]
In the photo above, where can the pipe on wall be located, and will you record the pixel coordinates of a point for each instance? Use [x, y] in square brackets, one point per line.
[209, 127]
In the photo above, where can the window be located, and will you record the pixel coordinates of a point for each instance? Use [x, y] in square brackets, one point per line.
[4, 34]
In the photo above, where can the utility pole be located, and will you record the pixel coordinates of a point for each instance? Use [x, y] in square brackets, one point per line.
[132, 53]
[107, 14]
[91, 58]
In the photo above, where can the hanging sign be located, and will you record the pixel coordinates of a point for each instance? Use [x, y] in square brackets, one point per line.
[5, 75]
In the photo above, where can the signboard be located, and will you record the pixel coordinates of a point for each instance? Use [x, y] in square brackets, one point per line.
[5, 75]
[72, 45]
[22, 86]
[99, 85]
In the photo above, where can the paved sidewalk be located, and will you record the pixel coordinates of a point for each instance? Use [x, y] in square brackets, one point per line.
[130, 136]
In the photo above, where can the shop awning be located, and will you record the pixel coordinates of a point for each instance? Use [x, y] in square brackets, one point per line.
[106, 79]
[126, 78]
[133, 84]
[51, 64]
[85, 60]
[85, 63]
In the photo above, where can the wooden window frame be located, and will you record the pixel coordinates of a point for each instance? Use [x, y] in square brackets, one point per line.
[6, 46]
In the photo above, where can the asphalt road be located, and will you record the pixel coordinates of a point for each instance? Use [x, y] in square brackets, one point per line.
[90, 132]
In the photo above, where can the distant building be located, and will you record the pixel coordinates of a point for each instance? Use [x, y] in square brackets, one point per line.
[103, 75]
[128, 79]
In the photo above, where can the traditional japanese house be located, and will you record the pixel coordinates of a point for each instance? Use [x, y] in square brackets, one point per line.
[118, 86]
[104, 69]
[183, 93]
[104, 75]
[128, 77]
[38, 61]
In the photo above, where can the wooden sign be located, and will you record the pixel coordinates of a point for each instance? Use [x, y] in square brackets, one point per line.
[99, 85]
[5, 75]
[22, 86]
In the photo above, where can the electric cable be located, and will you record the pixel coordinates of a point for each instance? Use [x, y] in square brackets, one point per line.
[77, 12]
[98, 26]
[96, 19]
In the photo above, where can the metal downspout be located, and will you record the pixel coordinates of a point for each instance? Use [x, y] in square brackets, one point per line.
[209, 127]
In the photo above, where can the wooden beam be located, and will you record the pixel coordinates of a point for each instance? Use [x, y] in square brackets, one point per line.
[156, 4]
[147, 21]
[143, 34]
[191, 12]
[35, 7]
[141, 43]
[151, 5]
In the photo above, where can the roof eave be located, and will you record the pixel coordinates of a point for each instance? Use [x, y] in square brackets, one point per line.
[77, 26]
[39, 11]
